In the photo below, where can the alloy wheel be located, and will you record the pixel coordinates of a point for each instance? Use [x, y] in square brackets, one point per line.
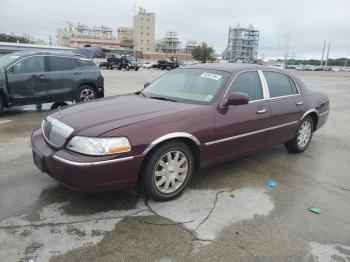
[171, 171]
[86, 95]
[304, 134]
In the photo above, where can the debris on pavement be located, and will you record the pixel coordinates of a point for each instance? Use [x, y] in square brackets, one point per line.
[315, 210]
[271, 183]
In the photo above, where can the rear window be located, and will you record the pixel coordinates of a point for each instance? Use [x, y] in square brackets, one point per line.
[59, 63]
[280, 84]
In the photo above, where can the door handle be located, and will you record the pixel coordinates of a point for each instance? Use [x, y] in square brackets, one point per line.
[41, 76]
[262, 111]
[299, 103]
[77, 73]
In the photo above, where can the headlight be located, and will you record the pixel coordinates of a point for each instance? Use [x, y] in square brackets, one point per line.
[99, 146]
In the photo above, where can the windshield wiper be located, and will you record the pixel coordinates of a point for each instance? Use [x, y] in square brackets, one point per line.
[163, 98]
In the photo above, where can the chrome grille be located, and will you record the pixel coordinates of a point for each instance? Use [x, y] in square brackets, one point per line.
[55, 132]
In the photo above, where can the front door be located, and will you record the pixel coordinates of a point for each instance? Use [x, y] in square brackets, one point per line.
[241, 129]
[28, 81]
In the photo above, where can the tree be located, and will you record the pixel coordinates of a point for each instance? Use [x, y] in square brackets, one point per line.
[14, 39]
[203, 53]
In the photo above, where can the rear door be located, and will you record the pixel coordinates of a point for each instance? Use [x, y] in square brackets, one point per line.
[241, 129]
[28, 81]
[286, 104]
[63, 78]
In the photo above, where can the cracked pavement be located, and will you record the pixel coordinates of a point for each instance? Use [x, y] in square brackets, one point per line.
[226, 214]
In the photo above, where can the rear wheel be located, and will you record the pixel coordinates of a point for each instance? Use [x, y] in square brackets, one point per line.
[167, 171]
[303, 136]
[85, 94]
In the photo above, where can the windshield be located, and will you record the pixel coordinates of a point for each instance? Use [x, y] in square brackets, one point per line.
[5, 59]
[197, 86]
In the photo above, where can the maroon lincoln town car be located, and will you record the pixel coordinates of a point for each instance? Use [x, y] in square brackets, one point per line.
[189, 118]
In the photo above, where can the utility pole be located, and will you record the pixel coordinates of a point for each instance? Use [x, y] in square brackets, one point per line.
[324, 47]
[278, 49]
[329, 47]
[287, 49]
[346, 58]
[50, 41]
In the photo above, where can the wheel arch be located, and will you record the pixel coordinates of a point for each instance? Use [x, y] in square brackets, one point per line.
[91, 84]
[314, 115]
[191, 141]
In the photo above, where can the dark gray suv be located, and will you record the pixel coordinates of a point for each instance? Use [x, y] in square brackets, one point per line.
[44, 77]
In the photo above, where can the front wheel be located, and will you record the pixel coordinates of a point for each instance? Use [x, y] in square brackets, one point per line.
[57, 105]
[85, 94]
[303, 136]
[38, 107]
[167, 171]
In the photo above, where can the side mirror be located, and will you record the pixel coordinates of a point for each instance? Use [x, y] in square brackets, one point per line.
[236, 99]
[146, 84]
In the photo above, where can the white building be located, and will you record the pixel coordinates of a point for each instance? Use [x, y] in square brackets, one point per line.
[144, 31]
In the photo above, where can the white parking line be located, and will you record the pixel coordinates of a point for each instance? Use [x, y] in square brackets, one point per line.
[5, 121]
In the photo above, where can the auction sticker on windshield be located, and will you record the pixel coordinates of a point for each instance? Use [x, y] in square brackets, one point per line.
[211, 76]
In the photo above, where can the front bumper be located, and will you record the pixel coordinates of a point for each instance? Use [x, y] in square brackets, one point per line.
[85, 173]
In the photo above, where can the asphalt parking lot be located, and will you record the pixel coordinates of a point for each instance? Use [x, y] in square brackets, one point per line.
[226, 214]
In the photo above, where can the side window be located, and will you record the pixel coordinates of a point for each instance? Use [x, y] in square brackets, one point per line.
[34, 64]
[83, 62]
[249, 83]
[280, 84]
[58, 63]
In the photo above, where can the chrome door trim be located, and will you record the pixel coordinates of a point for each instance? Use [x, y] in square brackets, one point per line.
[170, 136]
[96, 163]
[250, 133]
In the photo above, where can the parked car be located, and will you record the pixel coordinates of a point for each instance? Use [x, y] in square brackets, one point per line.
[166, 64]
[190, 118]
[42, 77]
[147, 65]
[127, 64]
[278, 66]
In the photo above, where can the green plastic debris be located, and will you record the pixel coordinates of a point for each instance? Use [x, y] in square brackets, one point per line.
[315, 210]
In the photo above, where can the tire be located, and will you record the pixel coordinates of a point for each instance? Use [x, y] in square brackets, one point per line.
[173, 181]
[39, 107]
[302, 137]
[136, 69]
[85, 93]
[57, 105]
[1, 105]
[127, 68]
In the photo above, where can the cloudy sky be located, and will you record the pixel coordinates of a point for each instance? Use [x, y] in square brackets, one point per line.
[307, 22]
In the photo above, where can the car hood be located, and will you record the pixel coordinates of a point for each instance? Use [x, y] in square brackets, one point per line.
[100, 116]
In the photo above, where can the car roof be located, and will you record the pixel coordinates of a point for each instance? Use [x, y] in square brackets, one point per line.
[33, 52]
[233, 67]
